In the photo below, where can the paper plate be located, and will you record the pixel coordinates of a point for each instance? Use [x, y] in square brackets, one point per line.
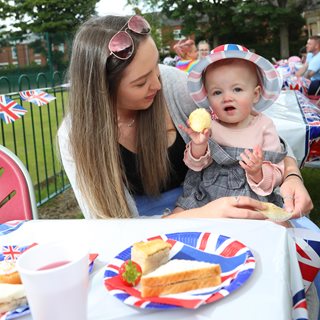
[236, 260]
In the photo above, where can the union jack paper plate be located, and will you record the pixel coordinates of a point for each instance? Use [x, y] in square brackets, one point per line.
[236, 260]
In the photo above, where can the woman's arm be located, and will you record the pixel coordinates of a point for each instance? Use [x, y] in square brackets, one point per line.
[227, 207]
[295, 195]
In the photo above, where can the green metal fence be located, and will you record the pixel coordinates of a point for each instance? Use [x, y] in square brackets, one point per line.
[33, 137]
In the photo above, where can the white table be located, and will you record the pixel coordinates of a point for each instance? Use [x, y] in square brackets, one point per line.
[266, 295]
[298, 122]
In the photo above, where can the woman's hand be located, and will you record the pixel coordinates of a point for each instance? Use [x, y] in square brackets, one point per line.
[296, 197]
[241, 207]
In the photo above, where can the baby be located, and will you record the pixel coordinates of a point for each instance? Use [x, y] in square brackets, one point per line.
[243, 156]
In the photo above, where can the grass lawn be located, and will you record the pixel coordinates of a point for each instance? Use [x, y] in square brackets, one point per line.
[33, 139]
[312, 182]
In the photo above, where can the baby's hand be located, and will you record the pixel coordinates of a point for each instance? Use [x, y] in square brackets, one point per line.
[252, 163]
[196, 137]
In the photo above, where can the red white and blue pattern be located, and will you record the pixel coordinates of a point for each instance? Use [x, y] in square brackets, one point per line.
[308, 253]
[270, 79]
[10, 226]
[36, 96]
[229, 47]
[17, 313]
[12, 252]
[236, 260]
[311, 117]
[10, 110]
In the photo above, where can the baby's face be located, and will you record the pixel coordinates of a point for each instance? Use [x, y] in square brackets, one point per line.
[232, 89]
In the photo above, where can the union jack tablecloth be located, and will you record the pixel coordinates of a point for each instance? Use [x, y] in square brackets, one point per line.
[297, 120]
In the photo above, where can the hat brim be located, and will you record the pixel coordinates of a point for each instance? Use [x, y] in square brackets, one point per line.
[271, 82]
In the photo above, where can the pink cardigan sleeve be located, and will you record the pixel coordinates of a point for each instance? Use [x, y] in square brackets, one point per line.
[272, 173]
[196, 164]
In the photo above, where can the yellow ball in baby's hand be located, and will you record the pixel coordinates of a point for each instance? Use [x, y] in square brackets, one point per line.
[199, 120]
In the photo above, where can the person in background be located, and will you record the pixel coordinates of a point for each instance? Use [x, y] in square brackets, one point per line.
[187, 53]
[303, 54]
[169, 61]
[203, 49]
[120, 141]
[311, 68]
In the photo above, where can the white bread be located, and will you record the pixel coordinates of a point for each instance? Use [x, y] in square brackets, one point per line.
[150, 255]
[275, 213]
[179, 276]
[11, 296]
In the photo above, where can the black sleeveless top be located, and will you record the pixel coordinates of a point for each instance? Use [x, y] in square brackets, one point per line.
[177, 173]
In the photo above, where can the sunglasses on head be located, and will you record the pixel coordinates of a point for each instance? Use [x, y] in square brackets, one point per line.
[121, 44]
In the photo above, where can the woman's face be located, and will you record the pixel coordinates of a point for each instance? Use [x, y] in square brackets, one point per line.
[140, 82]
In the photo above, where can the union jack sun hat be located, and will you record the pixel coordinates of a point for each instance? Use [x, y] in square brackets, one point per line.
[269, 77]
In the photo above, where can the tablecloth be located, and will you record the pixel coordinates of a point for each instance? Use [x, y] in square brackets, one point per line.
[274, 291]
[297, 120]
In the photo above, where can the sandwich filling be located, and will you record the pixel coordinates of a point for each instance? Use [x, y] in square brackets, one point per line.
[179, 276]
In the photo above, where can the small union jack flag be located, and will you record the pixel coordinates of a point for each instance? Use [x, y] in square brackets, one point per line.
[37, 96]
[10, 110]
[11, 252]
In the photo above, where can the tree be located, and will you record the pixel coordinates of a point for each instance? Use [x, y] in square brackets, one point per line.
[47, 16]
[258, 22]
[56, 19]
[275, 19]
[267, 29]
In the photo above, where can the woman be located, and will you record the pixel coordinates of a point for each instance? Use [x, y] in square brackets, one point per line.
[120, 143]
[187, 53]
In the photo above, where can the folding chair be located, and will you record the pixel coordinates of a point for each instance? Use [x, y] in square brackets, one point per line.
[17, 198]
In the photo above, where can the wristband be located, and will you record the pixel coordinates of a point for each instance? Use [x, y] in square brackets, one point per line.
[293, 174]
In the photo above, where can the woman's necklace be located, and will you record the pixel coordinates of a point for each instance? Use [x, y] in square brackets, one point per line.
[130, 124]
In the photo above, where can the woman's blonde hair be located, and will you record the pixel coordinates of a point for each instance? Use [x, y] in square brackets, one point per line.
[94, 77]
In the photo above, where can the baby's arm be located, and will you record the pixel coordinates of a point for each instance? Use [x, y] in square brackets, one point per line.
[197, 154]
[272, 173]
[252, 163]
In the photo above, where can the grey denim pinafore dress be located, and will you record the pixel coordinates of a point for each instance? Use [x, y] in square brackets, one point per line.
[223, 178]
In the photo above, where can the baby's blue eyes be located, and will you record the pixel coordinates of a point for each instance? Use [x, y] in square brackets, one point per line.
[218, 92]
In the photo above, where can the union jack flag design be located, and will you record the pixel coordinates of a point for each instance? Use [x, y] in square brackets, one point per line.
[308, 253]
[236, 260]
[11, 252]
[10, 110]
[36, 96]
[311, 117]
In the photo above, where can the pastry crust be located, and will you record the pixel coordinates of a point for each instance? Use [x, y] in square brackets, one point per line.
[179, 276]
[150, 255]
[9, 273]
